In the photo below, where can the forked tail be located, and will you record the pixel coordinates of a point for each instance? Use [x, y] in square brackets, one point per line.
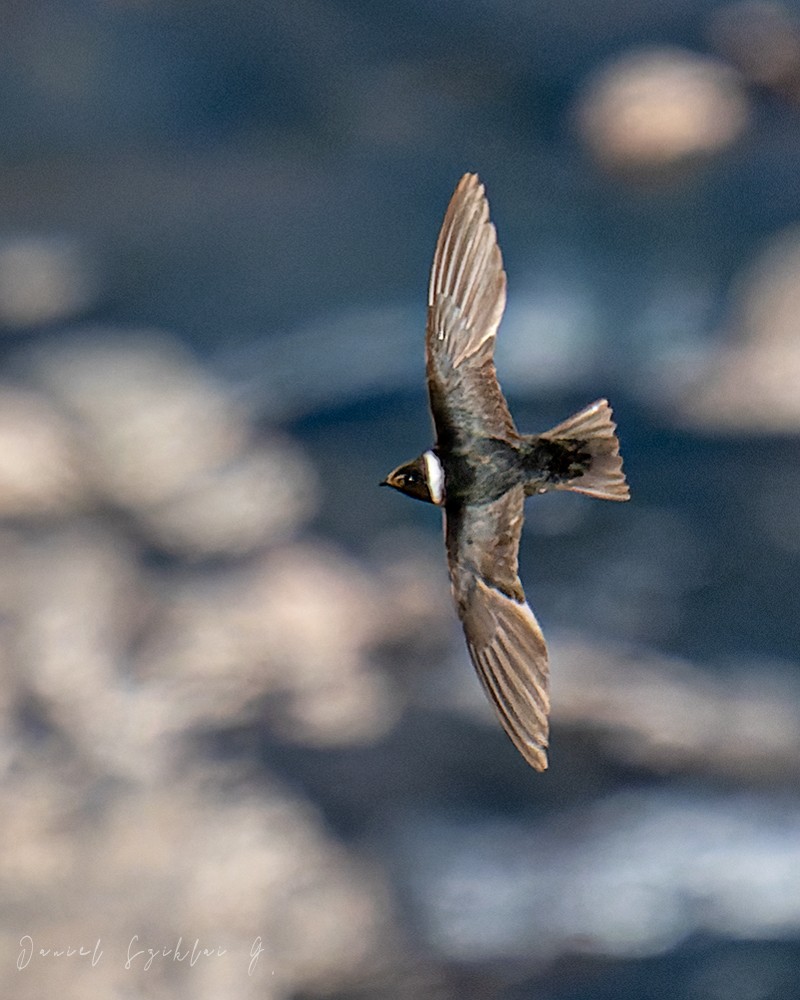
[594, 430]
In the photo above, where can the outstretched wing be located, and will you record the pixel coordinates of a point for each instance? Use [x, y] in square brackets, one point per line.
[503, 637]
[466, 299]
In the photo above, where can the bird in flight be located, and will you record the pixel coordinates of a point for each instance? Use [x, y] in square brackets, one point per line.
[481, 469]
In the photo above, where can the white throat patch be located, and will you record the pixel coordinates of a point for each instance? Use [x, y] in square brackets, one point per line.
[435, 476]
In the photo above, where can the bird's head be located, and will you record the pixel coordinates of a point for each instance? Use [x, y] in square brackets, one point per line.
[422, 479]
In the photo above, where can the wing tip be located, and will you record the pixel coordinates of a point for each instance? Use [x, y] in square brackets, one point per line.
[515, 675]
[468, 268]
[469, 180]
[536, 757]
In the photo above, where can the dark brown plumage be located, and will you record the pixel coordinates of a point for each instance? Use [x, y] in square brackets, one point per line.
[481, 469]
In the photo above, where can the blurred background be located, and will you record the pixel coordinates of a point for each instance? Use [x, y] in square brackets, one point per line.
[237, 716]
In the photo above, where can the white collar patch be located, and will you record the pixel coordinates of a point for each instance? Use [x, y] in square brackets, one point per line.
[435, 476]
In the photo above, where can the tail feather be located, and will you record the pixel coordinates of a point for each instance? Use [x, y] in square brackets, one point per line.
[596, 430]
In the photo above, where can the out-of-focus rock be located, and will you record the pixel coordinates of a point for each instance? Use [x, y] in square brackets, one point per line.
[76, 603]
[416, 606]
[289, 639]
[153, 420]
[668, 715]
[40, 468]
[38, 843]
[762, 39]
[267, 866]
[123, 664]
[43, 280]
[247, 876]
[750, 383]
[166, 442]
[658, 108]
[262, 496]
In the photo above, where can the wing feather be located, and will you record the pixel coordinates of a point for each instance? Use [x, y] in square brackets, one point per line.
[466, 299]
[503, 637]
[512, 666]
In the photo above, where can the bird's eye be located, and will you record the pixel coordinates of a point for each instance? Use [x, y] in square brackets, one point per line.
[411, 478]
